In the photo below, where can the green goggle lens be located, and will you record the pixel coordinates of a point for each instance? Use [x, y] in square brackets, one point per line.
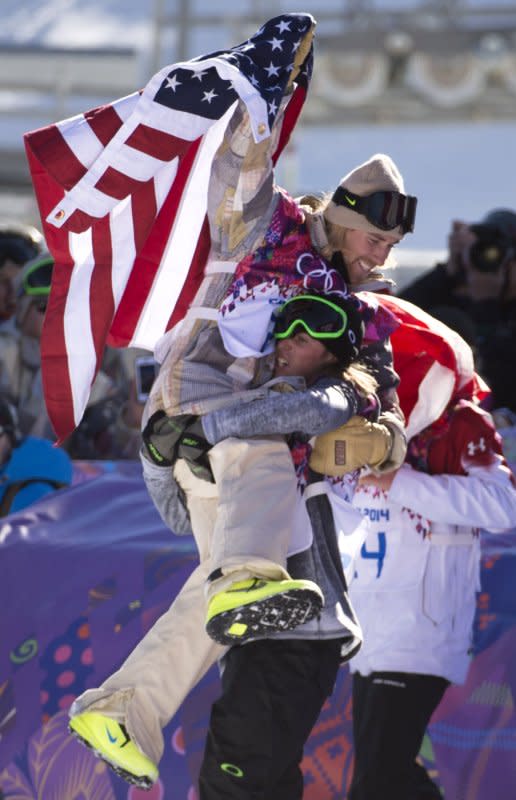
[319, 317]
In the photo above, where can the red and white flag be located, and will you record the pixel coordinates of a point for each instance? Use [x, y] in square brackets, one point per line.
[122, 192]
[434, 363]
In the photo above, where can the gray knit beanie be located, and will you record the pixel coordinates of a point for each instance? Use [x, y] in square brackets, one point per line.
[379, 173]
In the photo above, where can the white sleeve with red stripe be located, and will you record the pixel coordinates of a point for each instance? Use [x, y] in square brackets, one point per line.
[486, 498]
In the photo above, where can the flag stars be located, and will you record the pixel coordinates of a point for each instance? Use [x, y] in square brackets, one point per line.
[199, 75]
[172, 83]
[209, 96]
[273, 108]
[277, 44]
[272, 69]
[283, 26]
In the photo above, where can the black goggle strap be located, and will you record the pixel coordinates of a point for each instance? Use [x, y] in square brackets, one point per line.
[386, 210]
[38, 278]
[313, 319]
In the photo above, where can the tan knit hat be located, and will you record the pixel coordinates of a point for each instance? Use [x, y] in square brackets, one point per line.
[379, 173]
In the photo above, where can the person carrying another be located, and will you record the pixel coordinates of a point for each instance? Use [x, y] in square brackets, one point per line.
[145, 692]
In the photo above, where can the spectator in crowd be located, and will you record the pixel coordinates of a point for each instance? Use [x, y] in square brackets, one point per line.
[478, 281]
[18, 244]
[20, 376]
[111, 425]
[30, 467]
[140, 370]
[106, 430]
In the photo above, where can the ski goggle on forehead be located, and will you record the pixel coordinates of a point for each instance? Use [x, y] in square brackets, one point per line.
[384, 210]
[37, 280]
[319, 317]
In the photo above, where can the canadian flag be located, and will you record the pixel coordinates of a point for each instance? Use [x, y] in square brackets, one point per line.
[434, 363]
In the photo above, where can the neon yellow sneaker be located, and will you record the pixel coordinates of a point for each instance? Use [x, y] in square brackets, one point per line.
[255, 608]
[110, 741]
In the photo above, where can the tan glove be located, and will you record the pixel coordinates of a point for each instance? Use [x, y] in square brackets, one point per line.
[398, 451]
[356, 444]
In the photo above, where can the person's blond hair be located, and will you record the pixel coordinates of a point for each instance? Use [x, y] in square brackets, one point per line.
[360, 376]
[316, 204]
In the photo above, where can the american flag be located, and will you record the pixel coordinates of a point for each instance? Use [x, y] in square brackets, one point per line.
[122, 193]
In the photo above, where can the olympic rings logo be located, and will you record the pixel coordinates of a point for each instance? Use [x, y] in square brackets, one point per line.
[326, 278]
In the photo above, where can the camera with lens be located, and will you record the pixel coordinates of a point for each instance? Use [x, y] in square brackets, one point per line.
[491, 248]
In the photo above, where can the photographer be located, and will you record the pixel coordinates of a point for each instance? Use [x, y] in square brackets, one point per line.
[474, 291]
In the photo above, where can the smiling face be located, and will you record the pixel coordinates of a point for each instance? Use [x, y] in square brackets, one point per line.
[363, 251]
[302, 356]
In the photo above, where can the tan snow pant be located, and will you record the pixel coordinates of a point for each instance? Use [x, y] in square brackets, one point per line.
[242, 524]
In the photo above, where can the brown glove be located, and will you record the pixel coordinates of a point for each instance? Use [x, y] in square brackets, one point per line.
[356, 444]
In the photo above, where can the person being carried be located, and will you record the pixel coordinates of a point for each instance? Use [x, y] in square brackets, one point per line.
[202, 357]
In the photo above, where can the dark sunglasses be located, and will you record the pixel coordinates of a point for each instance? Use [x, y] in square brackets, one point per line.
[37, 280]
[319, 317]
[384, 210]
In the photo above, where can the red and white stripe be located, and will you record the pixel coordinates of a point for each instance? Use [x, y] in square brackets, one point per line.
[434, 363]
[122, 192]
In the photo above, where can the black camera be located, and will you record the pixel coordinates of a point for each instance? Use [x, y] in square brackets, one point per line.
[491, 249]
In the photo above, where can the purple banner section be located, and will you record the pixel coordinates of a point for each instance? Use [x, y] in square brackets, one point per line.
[86, 572]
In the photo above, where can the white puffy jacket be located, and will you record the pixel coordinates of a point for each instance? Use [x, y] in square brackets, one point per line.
[417, 574]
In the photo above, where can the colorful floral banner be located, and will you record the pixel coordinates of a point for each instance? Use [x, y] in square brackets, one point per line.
[86, 572]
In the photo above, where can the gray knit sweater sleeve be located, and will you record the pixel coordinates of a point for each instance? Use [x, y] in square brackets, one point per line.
[167, 497]
[323, 407]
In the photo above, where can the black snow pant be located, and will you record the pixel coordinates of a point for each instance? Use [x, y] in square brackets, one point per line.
[391, 711]
[272, 693]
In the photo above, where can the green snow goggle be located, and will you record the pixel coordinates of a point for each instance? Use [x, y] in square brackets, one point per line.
[319, 317]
